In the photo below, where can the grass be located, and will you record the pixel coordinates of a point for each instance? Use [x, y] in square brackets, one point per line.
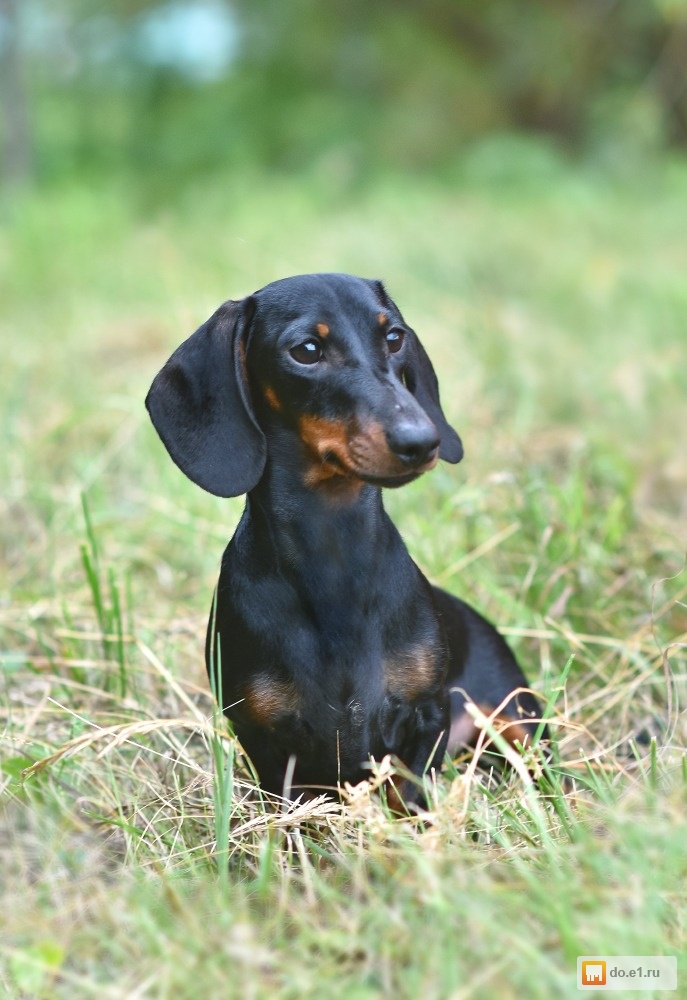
[138, 857]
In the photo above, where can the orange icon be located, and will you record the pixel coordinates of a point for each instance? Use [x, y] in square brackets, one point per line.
[594, 973]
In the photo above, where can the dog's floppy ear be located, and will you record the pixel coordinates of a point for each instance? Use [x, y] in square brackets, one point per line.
[200, 406]
[421, 382]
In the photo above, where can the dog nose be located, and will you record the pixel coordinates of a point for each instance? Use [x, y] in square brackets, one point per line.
[415, 444]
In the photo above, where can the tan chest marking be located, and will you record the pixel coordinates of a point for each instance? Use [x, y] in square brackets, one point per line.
[268, 699]
[411, 673]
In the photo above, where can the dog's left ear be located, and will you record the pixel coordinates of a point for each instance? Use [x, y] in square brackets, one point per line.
[421, 382]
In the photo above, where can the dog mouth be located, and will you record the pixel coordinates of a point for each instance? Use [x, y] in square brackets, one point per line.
[385, 479]
[344, 453]
[391, 482]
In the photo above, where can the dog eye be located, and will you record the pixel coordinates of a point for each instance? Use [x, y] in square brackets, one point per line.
[394, 340]
[307, 353]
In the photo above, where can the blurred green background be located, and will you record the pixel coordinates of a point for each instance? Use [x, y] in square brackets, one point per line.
[164, 92]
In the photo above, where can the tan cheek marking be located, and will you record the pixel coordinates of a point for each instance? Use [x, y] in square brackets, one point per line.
[322, 329]
[412, 673]
[370, 443]
[268, 699]
[322, 436]
[272, 398]
[370, 453]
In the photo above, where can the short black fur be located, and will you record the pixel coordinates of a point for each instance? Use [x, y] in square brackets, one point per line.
[310, 396]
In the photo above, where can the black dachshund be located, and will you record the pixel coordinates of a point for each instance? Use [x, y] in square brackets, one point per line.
[332, 647]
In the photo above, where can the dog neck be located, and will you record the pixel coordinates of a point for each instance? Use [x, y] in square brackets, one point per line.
[336, 527]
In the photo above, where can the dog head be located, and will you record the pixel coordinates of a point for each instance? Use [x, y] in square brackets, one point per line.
[326, 359]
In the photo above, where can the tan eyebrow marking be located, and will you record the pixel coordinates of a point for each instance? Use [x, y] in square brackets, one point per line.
[272, 398]
[322, 329]
[382, 319]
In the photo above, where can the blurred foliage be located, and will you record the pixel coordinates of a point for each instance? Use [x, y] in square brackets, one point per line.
[344, 88]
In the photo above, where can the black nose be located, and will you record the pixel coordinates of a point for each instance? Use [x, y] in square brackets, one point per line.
[415, 444]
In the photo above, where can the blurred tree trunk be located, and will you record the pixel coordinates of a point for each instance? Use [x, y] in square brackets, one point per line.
[17, 165]
[671, 80]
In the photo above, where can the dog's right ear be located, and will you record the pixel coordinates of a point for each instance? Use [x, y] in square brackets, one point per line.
[200, 405]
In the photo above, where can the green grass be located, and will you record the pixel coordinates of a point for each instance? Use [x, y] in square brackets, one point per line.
[138, 859]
